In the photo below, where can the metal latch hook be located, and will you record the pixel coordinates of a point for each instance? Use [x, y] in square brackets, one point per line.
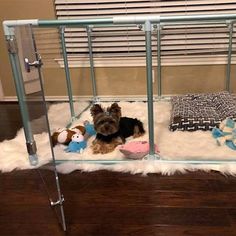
[37, 63]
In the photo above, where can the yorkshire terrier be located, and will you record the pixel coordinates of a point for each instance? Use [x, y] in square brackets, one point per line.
[112, 129]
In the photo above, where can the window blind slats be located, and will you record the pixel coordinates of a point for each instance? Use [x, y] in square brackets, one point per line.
[153, 4]
[137, 47]
[178, 42]
[147, 10]
[174, 53]
[221, 11]
[178, 38]
[115, 28]
[165, 3]
[94, 1]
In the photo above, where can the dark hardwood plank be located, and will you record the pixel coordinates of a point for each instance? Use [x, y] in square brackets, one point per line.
[10, 120]
[152, 198]
[147, 215]
[36, 229]
[117, 229]
[135, 182]
[27, 214]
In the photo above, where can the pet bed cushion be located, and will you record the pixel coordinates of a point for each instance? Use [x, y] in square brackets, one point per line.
[201, 111]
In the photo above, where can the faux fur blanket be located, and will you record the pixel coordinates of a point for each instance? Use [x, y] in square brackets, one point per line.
[178, 145]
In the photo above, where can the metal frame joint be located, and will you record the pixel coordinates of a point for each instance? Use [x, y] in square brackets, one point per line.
[147, 26]
[12, 45]
[58, 202]
[96, 100]
[62, 29]
[31, 147]
[89, 28]
[230, 24]
[150, 157]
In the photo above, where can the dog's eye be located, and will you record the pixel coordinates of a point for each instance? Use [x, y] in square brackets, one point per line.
[101, 122]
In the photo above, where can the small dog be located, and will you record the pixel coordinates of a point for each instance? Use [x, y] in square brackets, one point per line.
[112, 129]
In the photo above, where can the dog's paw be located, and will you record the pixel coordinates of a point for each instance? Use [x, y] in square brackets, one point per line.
[96, 148]
[138, 132]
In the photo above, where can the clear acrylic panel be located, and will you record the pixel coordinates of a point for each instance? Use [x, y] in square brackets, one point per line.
[36, 111]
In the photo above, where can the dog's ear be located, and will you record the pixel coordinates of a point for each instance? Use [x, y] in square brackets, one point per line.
[114, 109]
[96, 109]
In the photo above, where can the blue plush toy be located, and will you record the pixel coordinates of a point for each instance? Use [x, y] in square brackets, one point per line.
[77, 144]
[89, 130]
[226, 133]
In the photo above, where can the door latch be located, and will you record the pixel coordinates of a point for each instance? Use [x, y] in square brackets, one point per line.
[37, 64]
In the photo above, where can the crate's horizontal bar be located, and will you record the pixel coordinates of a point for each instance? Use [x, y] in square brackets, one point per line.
[194, 162]
[137, 20]
[8, 24]
[116, 20]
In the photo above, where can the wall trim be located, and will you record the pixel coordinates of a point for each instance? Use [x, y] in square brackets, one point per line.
[75, 62]
[104, 98]
[86, 98]
[1, 92]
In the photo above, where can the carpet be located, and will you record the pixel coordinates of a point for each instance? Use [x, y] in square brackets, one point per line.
[178, 145]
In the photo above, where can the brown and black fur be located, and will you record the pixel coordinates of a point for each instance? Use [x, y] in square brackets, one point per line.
[112, 129]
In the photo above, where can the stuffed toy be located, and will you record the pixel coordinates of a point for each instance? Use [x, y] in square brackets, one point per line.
[226, 133]
[63, 136]
[89, 130]
[136, 149]
[77, 144]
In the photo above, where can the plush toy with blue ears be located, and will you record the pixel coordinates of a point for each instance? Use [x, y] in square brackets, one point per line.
[226, 133]
[89, 130]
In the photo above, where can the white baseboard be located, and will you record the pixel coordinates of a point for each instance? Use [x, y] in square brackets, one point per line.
[85, 98]
[1, 92]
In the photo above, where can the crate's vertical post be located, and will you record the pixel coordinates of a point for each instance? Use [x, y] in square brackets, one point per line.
[228, 70]
[159, 82]
[18, 80]
[92, 73]
[148, 42]
[67, 73]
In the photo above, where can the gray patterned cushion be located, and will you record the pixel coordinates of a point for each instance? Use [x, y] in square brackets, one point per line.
[201, 111]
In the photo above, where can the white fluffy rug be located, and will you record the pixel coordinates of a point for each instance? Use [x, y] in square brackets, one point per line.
[178, 145]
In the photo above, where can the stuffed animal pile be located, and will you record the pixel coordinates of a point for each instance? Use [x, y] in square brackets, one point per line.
[226, 133]
[64, 135]
[76, 137]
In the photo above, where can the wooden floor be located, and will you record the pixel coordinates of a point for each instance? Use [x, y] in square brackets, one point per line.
[109, 204]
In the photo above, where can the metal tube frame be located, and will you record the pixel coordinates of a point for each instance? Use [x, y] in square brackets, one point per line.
[92, 73]
[67, 73]
[192, 162]
[18, 80]
[147, 21]
[159, 82]
[148, 42]
[228, 69]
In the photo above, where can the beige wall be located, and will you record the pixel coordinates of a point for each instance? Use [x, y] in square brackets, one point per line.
[19, 9]
[131, 81]
[110, 81]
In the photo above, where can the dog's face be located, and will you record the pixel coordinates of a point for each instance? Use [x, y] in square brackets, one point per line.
[106, 121]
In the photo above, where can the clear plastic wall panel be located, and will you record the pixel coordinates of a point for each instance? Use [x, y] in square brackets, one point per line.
[35, 111]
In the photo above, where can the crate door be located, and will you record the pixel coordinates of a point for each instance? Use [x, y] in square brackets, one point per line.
[30, 65]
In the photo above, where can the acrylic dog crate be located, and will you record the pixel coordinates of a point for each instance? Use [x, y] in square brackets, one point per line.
[26, 64]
